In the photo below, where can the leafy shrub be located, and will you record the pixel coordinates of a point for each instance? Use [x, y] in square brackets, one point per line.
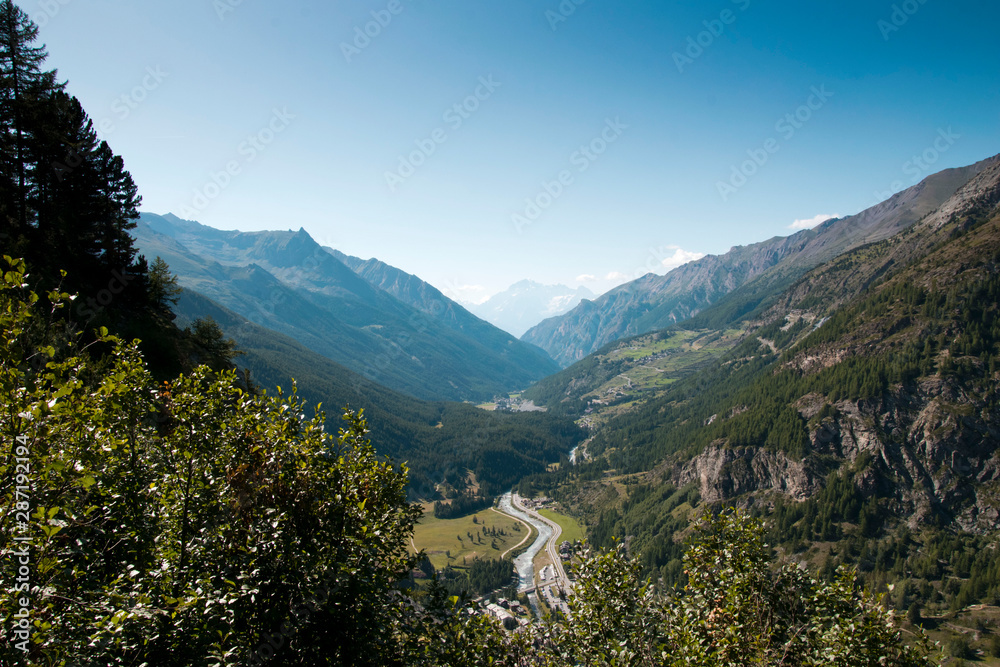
[736, 609]
[994, 646]
[958, 647]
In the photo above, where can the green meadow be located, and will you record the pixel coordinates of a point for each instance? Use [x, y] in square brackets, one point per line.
[571, 528]
[457, 542]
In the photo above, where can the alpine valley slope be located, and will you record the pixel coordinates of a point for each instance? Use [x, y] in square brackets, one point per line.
[441, 442]
[654, 302]
[412, 340]
[860, 414]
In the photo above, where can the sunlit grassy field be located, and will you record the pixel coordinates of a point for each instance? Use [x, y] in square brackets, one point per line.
[571, 528]
[448, 542]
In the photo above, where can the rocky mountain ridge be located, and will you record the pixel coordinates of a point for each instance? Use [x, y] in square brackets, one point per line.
[285, 281]
[932, 439]
[655, 302]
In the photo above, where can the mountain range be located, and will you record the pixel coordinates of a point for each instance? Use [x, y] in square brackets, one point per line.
[864, 350]
[526, 303]
[849, 396]
[654, 302]
[378, 321]
[841, 381]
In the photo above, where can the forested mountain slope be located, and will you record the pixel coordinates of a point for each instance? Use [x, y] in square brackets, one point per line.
[440, 442]
[860, 413]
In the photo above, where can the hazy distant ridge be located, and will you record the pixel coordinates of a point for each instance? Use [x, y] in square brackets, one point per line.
[526, 303]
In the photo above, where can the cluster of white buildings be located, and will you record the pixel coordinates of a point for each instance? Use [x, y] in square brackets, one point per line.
[499, 611]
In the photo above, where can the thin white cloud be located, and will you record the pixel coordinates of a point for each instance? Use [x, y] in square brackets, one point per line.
[586, 278]
[680, 258]
[617, 277]
[809, 223]
[468, 294]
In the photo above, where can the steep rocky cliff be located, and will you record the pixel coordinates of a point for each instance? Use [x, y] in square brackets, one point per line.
[916, 316]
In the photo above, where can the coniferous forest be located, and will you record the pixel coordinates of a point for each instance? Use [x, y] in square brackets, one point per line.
[67, 201]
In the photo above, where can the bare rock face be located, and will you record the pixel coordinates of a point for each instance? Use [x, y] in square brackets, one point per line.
[723, 473]
[951, 452]
[934, 455]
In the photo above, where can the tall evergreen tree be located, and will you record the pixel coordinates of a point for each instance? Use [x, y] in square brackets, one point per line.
[23, 86]
[118, 209]
[66, 200]
[164, 288]
[64, 190]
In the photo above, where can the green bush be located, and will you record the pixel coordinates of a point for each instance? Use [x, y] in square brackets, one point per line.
[738, 608]
[188, 523]
[994, 646]
[958, 647]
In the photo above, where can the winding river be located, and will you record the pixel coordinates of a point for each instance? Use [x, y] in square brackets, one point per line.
[524, 564]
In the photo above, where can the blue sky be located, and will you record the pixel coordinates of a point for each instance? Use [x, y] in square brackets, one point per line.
[479, 143]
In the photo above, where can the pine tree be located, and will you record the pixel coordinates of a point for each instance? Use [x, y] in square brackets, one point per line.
[120, 200]
[163, 286]
[23, 87]
[66, 200]
[63, 190]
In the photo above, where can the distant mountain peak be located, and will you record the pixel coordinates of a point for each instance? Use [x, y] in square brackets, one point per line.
[528, 302]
